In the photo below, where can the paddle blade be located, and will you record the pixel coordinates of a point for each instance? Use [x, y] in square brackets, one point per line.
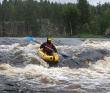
[64, 55]
[29, 38]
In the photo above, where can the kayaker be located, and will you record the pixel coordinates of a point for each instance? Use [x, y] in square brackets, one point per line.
[48, 47]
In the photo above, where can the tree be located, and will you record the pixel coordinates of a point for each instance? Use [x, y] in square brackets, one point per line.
[4, 11]
[19, 13]
[71, 17]
[105, 24]
[86, 29]
[11, 12]
[31, 17]
[99, 10]
[0, 11]
[56, 11]
[34, 24]
[95, 25]
[83, 6]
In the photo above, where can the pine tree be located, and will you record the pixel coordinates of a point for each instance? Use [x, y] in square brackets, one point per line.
[83, 6]
[71, 17]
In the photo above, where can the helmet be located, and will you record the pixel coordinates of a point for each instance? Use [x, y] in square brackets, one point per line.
[48, 38]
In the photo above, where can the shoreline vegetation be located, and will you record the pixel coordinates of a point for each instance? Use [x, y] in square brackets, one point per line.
[81, 36]
[45, 18]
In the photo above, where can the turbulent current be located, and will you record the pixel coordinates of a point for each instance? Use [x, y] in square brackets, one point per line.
[86, 70]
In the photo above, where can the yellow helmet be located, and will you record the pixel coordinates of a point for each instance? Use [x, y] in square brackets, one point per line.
[49, 39]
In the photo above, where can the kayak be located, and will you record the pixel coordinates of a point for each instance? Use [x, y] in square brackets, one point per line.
[49, 58]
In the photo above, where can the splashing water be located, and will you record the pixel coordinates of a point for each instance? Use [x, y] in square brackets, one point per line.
[22, 63]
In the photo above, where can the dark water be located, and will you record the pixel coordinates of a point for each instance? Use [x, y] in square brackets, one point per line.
[86, 70]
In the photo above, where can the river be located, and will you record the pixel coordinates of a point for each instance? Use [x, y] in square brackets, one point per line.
[86, 70]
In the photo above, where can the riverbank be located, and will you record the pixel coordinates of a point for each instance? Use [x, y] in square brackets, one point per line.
[82, 36]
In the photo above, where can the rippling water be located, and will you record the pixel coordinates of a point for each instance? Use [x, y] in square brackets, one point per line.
[87, 70]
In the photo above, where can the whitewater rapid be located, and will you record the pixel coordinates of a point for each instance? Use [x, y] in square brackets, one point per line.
[87, 70]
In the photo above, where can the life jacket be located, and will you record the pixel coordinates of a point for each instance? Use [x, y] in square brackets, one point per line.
[48, 47]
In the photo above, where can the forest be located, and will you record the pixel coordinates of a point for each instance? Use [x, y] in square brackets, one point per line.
[75, 18]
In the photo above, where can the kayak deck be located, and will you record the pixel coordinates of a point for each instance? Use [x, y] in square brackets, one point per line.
[49, 58]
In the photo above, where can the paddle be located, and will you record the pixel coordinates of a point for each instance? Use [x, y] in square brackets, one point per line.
[31, 39]
[58, 52]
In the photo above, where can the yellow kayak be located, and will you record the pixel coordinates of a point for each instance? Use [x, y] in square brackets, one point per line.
[49, 58]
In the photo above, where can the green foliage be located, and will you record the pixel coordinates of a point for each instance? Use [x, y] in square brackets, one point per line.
[105, 21]
[71, 17]
[4, 11]
[95, 25]
[80, 18]
[34, 24]
[0, 11]
[89, 36]
[83, 6]
[85, 29]
[106, 18]
[11, 11]
[62, 36]
[19, 10]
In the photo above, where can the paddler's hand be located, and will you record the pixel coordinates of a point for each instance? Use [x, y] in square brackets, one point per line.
[55, 53]
[41, 49]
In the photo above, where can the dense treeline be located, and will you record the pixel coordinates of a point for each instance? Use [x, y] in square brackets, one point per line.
[80, 18]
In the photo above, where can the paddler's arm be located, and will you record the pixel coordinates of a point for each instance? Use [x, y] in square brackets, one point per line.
[42, 45]
[54, 48]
